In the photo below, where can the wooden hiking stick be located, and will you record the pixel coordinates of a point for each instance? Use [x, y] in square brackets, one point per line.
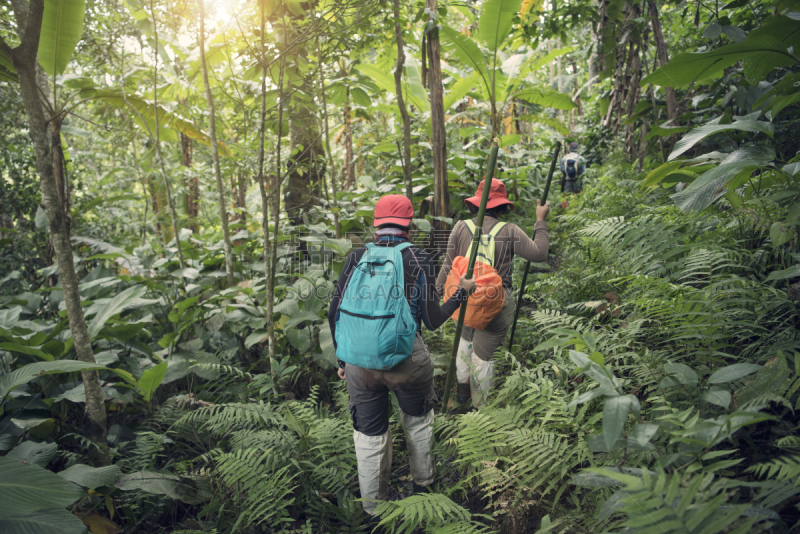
[528, 264]
[451, 369]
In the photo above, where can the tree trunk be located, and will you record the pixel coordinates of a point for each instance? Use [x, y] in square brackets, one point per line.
[663, 58]
[349, 170]
[441, 192]
[155, 136]
[332, 172]
[307, 165]
[60, 172]
[192, 183]
[398, 84]
[269, 279]
[223, 212]
[24, 60]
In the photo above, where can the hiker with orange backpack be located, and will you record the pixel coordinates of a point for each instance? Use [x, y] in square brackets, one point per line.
[385, 293]
[573, 165]
[490, 310]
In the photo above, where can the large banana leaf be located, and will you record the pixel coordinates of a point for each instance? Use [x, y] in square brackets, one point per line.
[413, 91]
[494, 24]
[761, 55]
[113, 306]
[62, 25]
[460, 89]
[468, 53]
[731, 173]
[546, 97]
[168, 123]
[43, 522]
[27, 488]
[746, 124]
[25, 374]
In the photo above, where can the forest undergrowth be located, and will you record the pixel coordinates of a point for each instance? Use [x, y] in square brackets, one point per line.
[653, 386]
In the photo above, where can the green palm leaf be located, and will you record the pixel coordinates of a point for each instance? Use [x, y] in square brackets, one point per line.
[468, 53]
[61, 29]
[494, 25]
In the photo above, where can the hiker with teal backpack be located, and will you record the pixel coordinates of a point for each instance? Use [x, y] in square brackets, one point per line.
[500, 241]
[385, 293]
[573, 165]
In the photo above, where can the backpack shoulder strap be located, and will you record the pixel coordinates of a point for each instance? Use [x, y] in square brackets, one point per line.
[370, 246]
[496, 229]
[470, 226]
[402, 246]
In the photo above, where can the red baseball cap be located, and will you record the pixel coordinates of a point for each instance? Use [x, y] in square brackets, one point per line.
[393, 209]
[497, 195]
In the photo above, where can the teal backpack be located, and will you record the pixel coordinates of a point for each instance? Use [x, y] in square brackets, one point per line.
[374, 325]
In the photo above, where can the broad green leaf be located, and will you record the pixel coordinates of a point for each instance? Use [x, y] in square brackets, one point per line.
[301, 317]
[718, 396]
[783, 274]
[678, 374]
[655, 176]
[468, 53]
[326, 344]
[25, 374]
[747, 124]
[423, 225]
[643, 433]
[735, 168]
[114, 306]
[709, 186]
[615, 413]
[41, 220]
[733, 372]
[26, 488]
[546, 97]
[511, 139]
[31, 452]
[780, 233]
[46, 521]
[495, 21]
[175, 487]
[761, 55]
[597, 372]
[459, 90]
[255, 337]
[22, 349]
[151, 379]
[91, 477]
[62, 25]
[168, 122]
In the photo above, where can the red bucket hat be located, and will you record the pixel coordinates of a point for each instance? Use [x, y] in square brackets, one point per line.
[393, 209]
[497, 195]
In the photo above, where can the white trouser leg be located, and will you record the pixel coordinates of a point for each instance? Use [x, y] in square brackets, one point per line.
[482, 380]
[374, 454]
[419, 437]
[462, 361]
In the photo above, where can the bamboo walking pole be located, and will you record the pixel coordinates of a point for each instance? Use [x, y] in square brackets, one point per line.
[528, 264]
[451, 369]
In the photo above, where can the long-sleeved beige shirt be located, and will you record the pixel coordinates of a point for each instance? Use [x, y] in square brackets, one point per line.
[511, 240]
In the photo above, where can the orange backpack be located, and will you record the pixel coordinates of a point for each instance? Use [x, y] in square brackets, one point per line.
[489, 296]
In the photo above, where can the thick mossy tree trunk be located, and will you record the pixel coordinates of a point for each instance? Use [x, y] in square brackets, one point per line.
[212, 129]
[307, 165]
[23, 58]
[441, 192]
